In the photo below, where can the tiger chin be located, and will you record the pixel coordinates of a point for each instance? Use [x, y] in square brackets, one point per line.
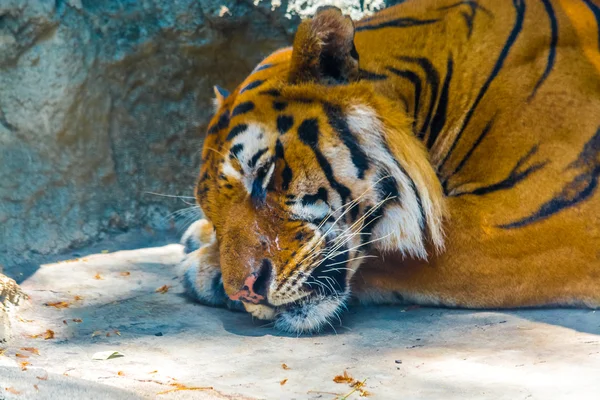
[344, 167]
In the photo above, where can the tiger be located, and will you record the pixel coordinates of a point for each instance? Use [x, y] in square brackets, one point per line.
[437, 153]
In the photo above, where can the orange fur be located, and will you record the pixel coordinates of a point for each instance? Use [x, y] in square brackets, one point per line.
[493, 111]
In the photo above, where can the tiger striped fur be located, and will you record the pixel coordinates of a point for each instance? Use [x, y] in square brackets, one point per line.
[439, 152]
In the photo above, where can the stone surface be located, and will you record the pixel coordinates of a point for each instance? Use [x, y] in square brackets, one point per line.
[10, 297]
[402, 352]
[102, 102]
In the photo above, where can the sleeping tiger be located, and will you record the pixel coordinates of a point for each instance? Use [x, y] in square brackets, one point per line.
[439, 152]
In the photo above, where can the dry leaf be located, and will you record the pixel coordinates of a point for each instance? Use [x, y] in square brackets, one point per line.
[283, 382]
[121, 373]
[107, 355]
[19, 355]
[32, 350]
[43, 378]
[96, 333]
[355, 384]
[24, 365]
[180, 386]
[344, 378]
[163, 289]
[49, 334]
[78, 320]
[36, 387]
[125, 273]
[285, 367]
[98, 276]
[153, 372]
[104, 251]
[12, 390]
[65, 321]
[78, 298]
[2, 352]
[116, 332]
[58, 304]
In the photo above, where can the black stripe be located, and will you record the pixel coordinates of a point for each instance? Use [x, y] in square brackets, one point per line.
[284, 123]
[252, 85]
[397, 23]
[256, 157]
[596, 10]
[279, 105]
[416, 81]
[236, 130]
[308, 132]
[413, 187]
[221, 124]
[236, 150]
[433, 80]
[271, 92]
[482, 135]
[286, 177]
[286, 174]
[439, 119]
[512, 37]
[513, 178]
[336, 119]
[310, 199]
[387, 186]
[468, 17]
[263, 67]
[469, 21]
[371, 76]
[242, 108]
[576, 191]
[279, 152]
[551, 50]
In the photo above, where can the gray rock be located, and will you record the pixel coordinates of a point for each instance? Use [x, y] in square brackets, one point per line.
[10, 297]
[103, 102]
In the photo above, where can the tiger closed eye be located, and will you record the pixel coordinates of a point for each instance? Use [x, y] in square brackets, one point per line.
[262, 171]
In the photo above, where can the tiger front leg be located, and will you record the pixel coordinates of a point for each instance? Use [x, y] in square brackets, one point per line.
[202, 278]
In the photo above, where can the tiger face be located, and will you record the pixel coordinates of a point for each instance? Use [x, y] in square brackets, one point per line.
[306, 170]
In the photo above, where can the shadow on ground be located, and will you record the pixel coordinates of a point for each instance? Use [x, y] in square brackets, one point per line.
[111, 303]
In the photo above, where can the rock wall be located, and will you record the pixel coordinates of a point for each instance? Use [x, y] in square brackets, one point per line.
[102, 102]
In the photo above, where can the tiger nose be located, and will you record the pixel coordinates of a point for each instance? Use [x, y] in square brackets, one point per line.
[256, 285]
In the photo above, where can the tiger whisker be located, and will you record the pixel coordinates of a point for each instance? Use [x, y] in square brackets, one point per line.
[173, 196]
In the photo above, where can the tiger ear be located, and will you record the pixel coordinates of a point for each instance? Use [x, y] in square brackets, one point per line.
[220, 96]
[324, 50]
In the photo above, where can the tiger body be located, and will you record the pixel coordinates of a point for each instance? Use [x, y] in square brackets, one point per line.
[439, 153]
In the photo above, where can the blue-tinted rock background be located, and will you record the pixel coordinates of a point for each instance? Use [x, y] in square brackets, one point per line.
[102, 101]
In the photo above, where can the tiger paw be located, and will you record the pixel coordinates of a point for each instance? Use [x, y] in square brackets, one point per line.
[199, 233]
[260, 311]
[202, 278]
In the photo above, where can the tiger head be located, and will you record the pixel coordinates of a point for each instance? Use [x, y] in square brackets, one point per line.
[307, 168]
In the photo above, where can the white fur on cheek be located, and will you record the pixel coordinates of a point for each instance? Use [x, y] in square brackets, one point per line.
[402, 223]
[254, 139]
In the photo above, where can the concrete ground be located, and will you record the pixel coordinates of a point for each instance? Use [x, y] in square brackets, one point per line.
[175, 349]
